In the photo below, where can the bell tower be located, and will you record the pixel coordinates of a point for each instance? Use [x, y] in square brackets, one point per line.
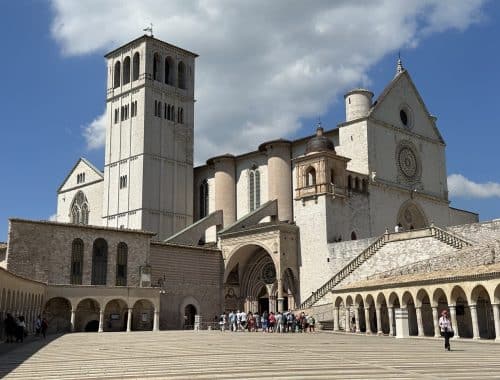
[148, 169]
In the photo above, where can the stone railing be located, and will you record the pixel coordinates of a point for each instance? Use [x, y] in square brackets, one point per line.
[449, 238]
[345, 271]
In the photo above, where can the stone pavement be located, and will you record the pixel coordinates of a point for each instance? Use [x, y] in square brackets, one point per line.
[216, 355]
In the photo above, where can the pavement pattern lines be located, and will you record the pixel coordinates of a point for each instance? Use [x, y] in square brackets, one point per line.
[216, 355]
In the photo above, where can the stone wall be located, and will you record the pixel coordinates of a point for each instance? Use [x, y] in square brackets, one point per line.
[469, 257]
[478, 232]
[397, 254]
[42, 250]
[190, 276]
[340, 254]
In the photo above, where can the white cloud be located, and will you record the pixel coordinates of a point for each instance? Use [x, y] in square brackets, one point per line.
[95, 132]
[53, 217]
[462, 187]
[263, 64]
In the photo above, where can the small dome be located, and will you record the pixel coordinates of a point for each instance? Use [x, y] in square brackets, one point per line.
[319, 143]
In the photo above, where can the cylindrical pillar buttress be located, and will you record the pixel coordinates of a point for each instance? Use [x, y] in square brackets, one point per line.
[225, 187]
[279, 176]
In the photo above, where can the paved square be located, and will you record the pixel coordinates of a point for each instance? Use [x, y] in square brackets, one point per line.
[213, 355]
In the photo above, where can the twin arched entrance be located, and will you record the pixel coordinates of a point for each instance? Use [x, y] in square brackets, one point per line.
[254, 283]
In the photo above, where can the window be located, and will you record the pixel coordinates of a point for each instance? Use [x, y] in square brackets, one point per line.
[124, 112]
[204, 199]
[121, 264]
[310, 177]
[156, 107]
[172, 113]
[79, 209]
[169, 71]
[181, 75]
[353, 235]
[349, 182]
[117, 115]
[356, 184]
[165, 111]
[99, 262]
[168, 112]
[182, 116]
[117, 75]
[80, 178]
[254, 189]
[133, 109]
[126, 70]
[156, 66]
[123, 181]
[135, 73]
[76, 262]
[158, 111]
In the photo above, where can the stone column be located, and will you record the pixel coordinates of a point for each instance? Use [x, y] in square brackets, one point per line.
[356, 316]
[156, 321]
[280, 295]
[73, 313]
[453, 316]
[475, 324]
[336, 319]
[347, 319]
[225, 187]
[279, 183]
[390, 311]
[129, 320]
[379, 321]
[420, 323]
[401, 317]
[367, 320]
[496, 317]
[435, 320]
[101, 320]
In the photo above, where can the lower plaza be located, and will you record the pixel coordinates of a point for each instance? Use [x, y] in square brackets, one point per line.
[216, 355]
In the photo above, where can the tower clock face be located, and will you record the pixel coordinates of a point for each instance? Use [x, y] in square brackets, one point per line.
[407, 162]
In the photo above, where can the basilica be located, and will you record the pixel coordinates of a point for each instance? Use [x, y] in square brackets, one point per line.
[352, 222]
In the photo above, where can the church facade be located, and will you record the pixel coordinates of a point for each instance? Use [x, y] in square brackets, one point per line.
[269, 229]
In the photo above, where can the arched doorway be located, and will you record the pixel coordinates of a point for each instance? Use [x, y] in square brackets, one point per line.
[189, 317]
[411, 216]
[142, 315]
[484, 310]
[115, 315]
[251, 281]
[58, 313]
[87, 315]
[409, 303]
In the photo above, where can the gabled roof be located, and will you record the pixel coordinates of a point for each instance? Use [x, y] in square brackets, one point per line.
[86, 162]
[405, 74]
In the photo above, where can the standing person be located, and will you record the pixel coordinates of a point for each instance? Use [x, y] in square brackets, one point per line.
[45, 326]
[312, 322]
[10, 328]
[264, 321]
[243, 320]
[257, 321]
[446, 329]
[21, 326]
[222, 322]
[289, 321]
[272, 322]
[38, 324]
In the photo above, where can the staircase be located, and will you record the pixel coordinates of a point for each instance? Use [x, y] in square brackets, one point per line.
[344, 272]
[432, 231]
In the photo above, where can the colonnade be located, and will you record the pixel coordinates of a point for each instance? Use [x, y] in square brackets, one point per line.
[402, 311]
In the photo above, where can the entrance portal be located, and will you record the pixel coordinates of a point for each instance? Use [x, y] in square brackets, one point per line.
[189, 313]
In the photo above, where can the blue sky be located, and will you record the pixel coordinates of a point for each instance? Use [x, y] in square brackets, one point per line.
[54, 85]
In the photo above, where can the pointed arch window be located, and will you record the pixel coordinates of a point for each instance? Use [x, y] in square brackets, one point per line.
[121, 264]
[99, 262]
[203, 198]
[310, 177]
[169, 71]
[135, 69]
[126, 70]
[254, 188]
[80, 209]
[181, 75]
[76, 262]
[117, 74]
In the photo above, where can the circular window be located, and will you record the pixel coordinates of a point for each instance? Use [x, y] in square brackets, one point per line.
[407, 162]
[269, 273]
[404, 117]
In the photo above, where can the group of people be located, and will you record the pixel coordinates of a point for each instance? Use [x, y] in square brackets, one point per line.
[267, 322]
[15, 328]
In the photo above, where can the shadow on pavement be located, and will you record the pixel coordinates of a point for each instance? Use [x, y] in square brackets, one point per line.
[13, 355]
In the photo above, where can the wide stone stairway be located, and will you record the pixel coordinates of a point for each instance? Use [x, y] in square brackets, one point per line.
[216, 355]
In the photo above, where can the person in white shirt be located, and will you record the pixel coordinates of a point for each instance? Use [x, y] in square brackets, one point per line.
[446, 329]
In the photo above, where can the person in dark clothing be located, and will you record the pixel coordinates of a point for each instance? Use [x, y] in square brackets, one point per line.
[20, 328]
[10, 328]
[44, 328]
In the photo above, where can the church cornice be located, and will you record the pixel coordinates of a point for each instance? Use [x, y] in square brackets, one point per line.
[386, 184]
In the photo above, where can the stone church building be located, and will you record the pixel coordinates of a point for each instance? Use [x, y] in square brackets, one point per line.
[151, 241]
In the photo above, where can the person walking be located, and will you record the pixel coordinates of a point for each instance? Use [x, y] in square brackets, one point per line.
[38, 325]
[10, 328]
[45, 326]
[446, 329]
